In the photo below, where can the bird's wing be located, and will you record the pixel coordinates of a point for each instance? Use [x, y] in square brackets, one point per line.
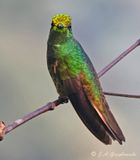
[103, 110]
[74, 90]
[90, 103]
[102, 107]
[100, 122]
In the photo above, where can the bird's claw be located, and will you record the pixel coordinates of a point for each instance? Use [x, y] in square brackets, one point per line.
[63, 99]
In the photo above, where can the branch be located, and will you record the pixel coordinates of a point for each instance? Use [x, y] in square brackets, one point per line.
[50, 106]
[113, 63]
[119, 58]
[121, 95]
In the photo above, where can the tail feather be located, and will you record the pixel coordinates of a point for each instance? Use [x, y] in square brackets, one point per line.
[89, 117]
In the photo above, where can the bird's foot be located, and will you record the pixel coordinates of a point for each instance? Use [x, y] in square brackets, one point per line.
[63, 99]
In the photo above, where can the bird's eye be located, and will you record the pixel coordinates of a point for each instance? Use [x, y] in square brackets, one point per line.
[69, 27]
[52, 24]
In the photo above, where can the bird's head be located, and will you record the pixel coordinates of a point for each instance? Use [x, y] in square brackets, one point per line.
[61, 23]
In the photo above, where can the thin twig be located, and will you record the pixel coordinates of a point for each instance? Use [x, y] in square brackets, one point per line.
[122, 95]
[50, 106]
[119, 58]
[113, 63]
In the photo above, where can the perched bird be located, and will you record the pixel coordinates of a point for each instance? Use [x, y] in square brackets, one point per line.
[75, 78]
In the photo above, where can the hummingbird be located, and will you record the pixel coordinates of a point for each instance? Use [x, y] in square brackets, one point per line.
[76, 79]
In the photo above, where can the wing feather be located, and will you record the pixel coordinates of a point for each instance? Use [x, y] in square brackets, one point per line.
[84, 109]
[90, 90]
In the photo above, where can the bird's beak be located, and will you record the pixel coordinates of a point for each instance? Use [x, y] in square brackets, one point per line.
[60, 26]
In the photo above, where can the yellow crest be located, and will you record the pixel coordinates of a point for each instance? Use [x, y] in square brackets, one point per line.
[61, 18]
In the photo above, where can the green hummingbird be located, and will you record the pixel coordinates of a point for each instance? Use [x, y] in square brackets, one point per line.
[75, 78]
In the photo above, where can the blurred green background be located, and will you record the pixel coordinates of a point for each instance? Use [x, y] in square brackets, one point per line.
[105, 29]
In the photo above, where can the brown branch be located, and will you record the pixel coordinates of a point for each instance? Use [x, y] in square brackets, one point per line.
[119, 58]
[2, 130]
[50, 106]
[113, 63]
[122, 95]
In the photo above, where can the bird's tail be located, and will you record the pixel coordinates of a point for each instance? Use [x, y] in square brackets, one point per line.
[89, 117]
